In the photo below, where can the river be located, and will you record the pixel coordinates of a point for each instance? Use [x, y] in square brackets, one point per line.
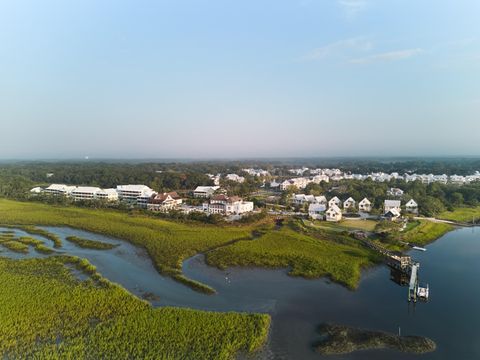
[297, 306]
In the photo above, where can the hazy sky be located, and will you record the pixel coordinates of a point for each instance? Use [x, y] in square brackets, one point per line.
[222, 78]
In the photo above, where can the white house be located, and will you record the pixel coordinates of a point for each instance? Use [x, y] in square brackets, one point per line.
[349, 204]
[392, 205]
[333, 213]
[164, 202]
[392, 214]
[395, 192]
[235, 177]
[135, 194]
[59, 189]
[300, 199]
[365, 205]
[321, 200]
[317, 179]
[205, 191]
[411, 207]
[225, 205]
[334, 201]
[316, 211]
[36, 190]
[299, 183]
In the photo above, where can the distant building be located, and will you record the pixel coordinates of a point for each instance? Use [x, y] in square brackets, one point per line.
[135, 194]
[93, 193]
[392, 205]
[59, 189]
[365, 205]
[333, 213]
[36, 190]
[395, 192]
[205, 191]
[316, 211]
[349, 204]
[411, 207]
[392, 214]
[334, 201]
[164, 202]
[225, 205]
[235, 177]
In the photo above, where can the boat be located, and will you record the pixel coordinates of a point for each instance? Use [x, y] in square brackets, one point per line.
[418, 248]
[423, 292]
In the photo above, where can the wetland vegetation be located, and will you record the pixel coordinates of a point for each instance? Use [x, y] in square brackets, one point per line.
[47, 312]
[90, 244]
[337, 340]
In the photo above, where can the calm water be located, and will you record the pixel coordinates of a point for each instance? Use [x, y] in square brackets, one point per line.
[297, 306]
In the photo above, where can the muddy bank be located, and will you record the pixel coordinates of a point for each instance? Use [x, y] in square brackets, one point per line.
[336, 339]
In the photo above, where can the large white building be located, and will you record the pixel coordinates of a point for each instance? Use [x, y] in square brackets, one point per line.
[135, 194]
[225, 205]
[59, 189]
[93, 193]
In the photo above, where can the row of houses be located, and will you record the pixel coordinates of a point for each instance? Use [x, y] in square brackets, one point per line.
[319, 207]
[327, 175]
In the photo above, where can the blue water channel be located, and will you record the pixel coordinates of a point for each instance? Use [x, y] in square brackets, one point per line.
[451, 318]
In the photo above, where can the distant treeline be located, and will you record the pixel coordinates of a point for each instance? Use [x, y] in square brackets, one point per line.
[17, 178]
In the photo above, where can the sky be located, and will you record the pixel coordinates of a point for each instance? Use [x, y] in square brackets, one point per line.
[249, 78]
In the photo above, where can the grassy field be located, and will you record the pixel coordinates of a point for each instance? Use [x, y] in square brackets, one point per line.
[47, 313]
[462, 215]
[425, 232]
[305, 255]
[348, 225]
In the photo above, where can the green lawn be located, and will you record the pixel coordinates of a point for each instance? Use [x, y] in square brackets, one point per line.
[305, 255]
[346, 225]
[461, 215]
[425, 232]
[48, 314]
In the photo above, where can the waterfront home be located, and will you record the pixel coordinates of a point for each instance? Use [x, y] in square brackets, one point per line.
[164, 202]
[392, 205]
[316, 211]
[411, 207]
[205, 191]
[349, 204]
[334, 201]
[392, 214]
[365, 205]
[226, 205]
[333, 213]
